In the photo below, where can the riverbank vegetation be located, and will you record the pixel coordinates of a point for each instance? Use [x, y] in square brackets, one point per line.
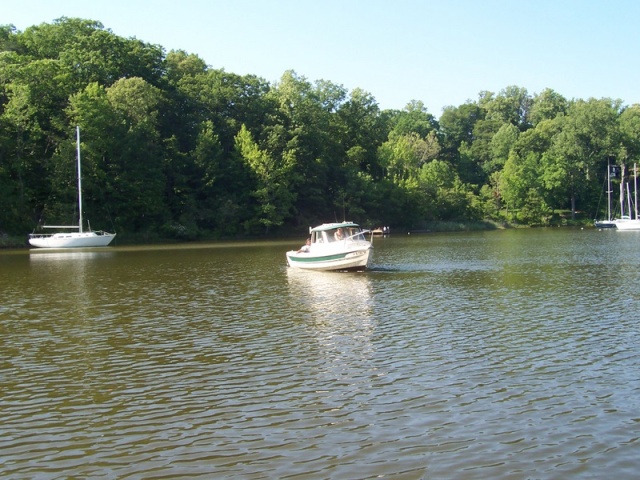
[173, 148]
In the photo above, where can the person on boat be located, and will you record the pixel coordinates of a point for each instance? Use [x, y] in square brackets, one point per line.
[305, 247]
[339, 235]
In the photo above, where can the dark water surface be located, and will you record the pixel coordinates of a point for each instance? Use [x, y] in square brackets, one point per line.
[508, 354]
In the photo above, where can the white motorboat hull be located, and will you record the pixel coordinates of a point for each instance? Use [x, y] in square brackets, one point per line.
[72, 240]
[354, 259]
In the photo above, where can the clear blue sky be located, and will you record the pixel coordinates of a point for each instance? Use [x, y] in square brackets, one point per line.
[439, 52]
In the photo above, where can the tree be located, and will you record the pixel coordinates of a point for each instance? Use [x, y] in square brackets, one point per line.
[302, 128]
[457, 136]
[500, 146]
[364, 127]
[23, 159]
[125, 167]
[457, 126]
[179, 64]
[546, 106]
[445, 196]
[588, 136]
[274, 199]
[477, 156]
[414, 119]
[519, 182]
[511, 105]
[220, 185]
[629, 127]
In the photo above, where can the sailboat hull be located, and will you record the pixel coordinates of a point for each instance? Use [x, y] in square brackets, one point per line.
[72, 240]
[625, 224]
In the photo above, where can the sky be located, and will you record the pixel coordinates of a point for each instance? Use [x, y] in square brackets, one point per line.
[443, 52]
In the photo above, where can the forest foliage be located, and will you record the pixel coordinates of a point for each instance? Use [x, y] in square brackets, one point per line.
[173, 148]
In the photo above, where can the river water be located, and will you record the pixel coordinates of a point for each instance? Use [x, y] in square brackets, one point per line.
[507, 354]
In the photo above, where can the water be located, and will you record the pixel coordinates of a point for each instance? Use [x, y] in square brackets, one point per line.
[509, 354]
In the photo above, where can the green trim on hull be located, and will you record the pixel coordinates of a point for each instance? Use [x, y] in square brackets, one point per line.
[327, 258]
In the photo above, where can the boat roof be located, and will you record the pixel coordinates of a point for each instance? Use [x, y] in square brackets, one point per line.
[331, 226]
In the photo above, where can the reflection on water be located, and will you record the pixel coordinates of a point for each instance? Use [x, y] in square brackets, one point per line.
[339, 308]
[71, 255]
[332, 296]
[492, 355]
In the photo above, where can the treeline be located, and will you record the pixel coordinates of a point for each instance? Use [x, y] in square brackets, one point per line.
[174, 148]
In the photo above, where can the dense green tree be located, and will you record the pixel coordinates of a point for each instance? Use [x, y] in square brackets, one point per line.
[23, 158]
[414, 119]
[477, 156]
[124, 151]
[500, 146]
[511, 105]
[9, 39]
[173, 147]
[300, 128]
[365, 127]
[221, 185]
[588, 137]
[457, 133]
[629, 128]
[403, 155]
[273, 197]
[180, 64]
[519, 182]
[546, 106]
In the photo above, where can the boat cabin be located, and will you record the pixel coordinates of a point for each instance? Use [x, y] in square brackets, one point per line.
[330, 233]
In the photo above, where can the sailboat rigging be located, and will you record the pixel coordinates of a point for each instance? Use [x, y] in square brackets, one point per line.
[78, 239]
[626, 222]
[608, 222]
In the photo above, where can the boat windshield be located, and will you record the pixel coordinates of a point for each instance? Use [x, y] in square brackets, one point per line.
[344, 233]
[337, 234]
[355, 233]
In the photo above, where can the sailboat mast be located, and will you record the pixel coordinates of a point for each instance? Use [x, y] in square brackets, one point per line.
[608, 191]
[622, 184]
[79, 180]
[635, 189]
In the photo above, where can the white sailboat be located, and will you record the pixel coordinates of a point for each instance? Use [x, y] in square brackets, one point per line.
[78, 239]
[626, 222]
[608, 222]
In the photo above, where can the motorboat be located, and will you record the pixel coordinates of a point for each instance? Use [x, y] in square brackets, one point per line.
[333, 247]
[380, 231]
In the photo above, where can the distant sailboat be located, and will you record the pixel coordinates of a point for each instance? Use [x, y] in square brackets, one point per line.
[77, 239]
[626, 222]
[608, 222]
